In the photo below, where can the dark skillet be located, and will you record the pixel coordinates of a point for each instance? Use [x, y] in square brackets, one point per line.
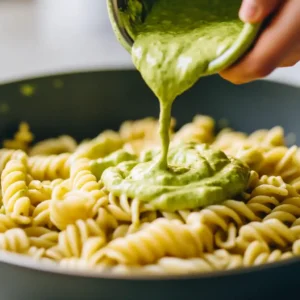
[87, 103]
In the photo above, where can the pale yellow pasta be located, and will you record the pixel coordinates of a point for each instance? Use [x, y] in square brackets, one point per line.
[160, 239]
[141, 135]
[124, 209]
[39, 192]
[72, 206]
[272, 232]
[296, 248]
[201, 130]
[181, 215]
[7, 155]
[55, 209]
[21, 140]
[220, 216]
[141, 129]
[14, 191]
[14, 240]
[218, 260]
[41, 215]
[287, 212]
[6, 223]
[106, 220]
[124, 230]
[41, 237]
[82, 239]
[226, 239]
[49, 167]
[258, 253]
[62, 144]
[83, 179]
[281, 161]
[36, 253]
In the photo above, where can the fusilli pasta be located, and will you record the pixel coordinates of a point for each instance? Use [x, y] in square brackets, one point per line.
[55, 208]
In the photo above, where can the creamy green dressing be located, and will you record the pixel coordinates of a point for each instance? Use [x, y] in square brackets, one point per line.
[196, 176]
[173, 47]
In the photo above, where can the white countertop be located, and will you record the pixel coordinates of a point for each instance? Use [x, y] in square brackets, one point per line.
[39, 37]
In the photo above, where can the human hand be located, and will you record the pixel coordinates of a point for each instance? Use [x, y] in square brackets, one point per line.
[278, 44]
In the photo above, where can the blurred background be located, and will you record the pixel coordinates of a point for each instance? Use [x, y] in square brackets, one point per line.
[39, 37]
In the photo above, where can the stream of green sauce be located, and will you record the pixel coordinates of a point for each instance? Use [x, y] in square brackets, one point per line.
[172, 50]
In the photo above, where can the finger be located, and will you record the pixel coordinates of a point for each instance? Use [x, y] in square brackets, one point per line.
[254, 11]
[292, 59]
[274, 44]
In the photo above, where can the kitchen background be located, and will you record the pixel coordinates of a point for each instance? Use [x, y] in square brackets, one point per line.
[39, 37]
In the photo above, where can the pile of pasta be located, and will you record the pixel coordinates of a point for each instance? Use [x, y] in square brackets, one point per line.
[54, 209]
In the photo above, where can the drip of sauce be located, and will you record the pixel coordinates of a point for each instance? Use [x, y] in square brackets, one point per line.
[172, 50]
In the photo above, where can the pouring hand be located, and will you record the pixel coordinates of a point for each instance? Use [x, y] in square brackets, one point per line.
[277, 46]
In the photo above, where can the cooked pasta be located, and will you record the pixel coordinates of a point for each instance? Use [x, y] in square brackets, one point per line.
[22, 139]
[14, 190]
[62, 144]
[55, 207]
[49, 167]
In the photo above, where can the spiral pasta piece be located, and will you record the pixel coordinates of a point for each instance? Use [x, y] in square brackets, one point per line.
[36, 253]
[258, 253]
[7, 155]
[123, 230]
[124, 209]
[140, 129]
[281, 161]
[21, 140]
[38, 192]
[273, 232]
[49, 167]
[74, 240]
[221, 215]
[6, 223]
[62, 144]
[262, 205]
[253, 180]
[226, 239]
[14, 240]
[161, 238]
[296, 248]
[41, 215]
[106, 220]
[181, 215]
[83, 179]
[287, 212]
[216, 261]
[67, 207]
[41, 237]
[14, 191]
[201, 130]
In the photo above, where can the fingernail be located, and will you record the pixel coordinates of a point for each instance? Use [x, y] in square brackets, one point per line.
[249, 11]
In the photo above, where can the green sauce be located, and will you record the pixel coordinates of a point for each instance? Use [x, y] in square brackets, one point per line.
[179, 39]
[196, 176]
[173, 48]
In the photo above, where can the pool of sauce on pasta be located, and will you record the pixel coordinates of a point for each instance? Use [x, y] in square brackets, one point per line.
[172, 49]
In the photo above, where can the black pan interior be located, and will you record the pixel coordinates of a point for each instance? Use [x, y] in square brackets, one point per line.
[84, 104]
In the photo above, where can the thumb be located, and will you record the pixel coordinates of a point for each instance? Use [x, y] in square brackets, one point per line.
[254, 11]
